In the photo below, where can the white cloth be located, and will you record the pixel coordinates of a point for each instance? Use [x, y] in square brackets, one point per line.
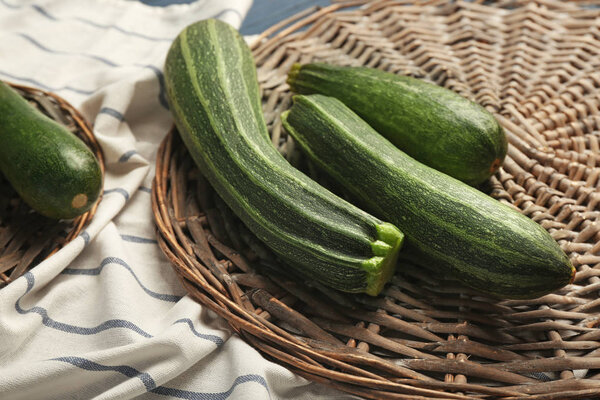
[106, 317]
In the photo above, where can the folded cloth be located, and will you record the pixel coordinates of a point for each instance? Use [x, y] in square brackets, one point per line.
[106, 317]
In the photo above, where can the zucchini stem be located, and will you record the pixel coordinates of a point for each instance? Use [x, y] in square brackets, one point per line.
[382, 265]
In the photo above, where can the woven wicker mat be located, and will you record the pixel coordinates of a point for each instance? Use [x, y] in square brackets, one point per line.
[26, 237]
[535, 65]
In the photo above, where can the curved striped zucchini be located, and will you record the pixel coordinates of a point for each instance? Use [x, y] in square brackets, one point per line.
[484, 243]
[214, 97]
[432, 124]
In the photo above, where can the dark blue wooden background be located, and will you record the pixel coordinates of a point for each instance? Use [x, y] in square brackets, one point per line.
[265, 13]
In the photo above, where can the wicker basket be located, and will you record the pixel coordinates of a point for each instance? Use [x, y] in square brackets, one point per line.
[26, 237]
[535, 66]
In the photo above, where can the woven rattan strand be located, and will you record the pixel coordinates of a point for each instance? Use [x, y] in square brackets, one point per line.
[26, 237]
[535, 65]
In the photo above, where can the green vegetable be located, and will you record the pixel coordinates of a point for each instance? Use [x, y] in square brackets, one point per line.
[448, 224]
[431, 124]
[52, 170]
[214, 96]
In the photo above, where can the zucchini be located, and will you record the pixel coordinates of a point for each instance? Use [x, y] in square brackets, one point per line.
[448, 224]
[430, 123]
[214, 96]
[52, 170]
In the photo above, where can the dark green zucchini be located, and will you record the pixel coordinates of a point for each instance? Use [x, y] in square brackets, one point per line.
[213, 93]
[52, 170]
[430, 123]
[448, 224]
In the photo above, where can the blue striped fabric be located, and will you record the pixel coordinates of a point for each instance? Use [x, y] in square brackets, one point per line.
[40, 46]
[213, 338]
[70, 328]
[90, 22]
[112, 112]
[122, 263]
[186, 394]
[85, 236]
[36, 83]
[150, 384]
[89, 365]
[138, 239]
[155, 70]
[127, 155]
[121, 191]
[110, 324]
[164, 3]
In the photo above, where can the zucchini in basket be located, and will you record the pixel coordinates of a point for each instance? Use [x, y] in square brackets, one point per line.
[214, 96]
[448, 224]
[432, 124]
[52, 170]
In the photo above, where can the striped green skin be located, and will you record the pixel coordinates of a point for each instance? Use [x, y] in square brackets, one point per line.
[213, 93]
[448, 224]
[52, 170]
[432, 124]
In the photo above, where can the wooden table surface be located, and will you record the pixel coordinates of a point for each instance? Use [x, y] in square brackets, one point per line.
[265, 13]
